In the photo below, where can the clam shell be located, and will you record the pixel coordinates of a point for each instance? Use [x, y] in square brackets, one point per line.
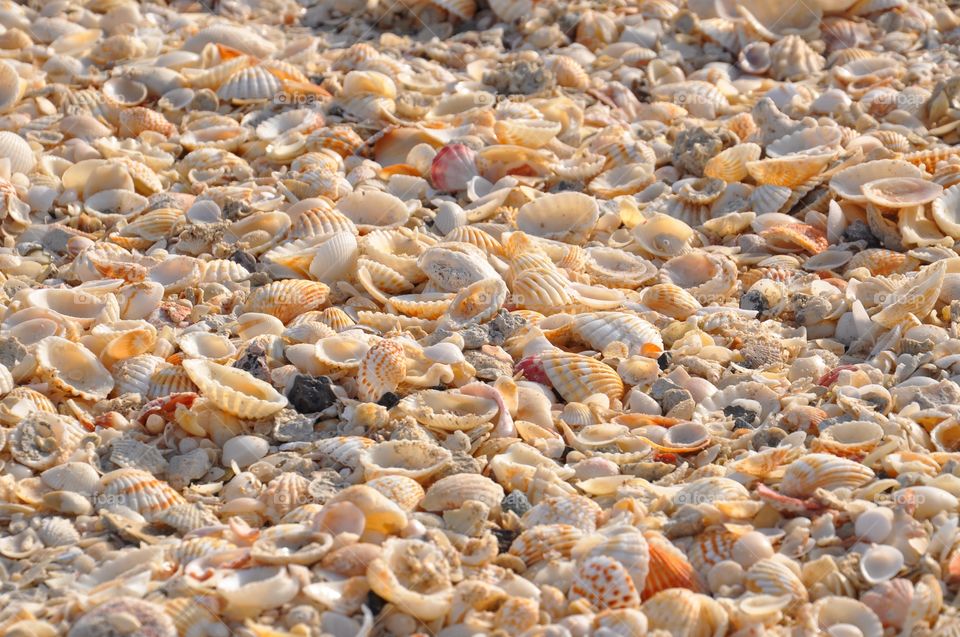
[576, 377]
[381, 370]
[453, 491]
[566, 216]
[233, 390]
[449, 411]
[72, 369]
[900, 192]
[137, 490]
[823, 471]
[396, 576]
[403, 458]
[604, 583]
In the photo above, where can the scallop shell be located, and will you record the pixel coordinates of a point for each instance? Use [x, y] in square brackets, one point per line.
[72, 369]
[730, 165]
[601, 329]
[776, 576]
[18, 151]
[566, 216]
[453, 167]
[576, 377]
[150, 618]
[137, 490]
[403, 490]
[283, 494]
[382, 369]
[685, 614]
[288, 298]
[233, 390]
[545, 541]
[670, 300]
[574, 510]
[823, 471]
[453, 491]
[604, 583]
[791, 58]
[668, 567]
[788, 171]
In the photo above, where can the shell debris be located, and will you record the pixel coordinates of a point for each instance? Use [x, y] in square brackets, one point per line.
[336, 318]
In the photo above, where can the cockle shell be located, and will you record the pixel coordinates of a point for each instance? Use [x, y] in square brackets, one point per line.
[453, 491]
[234, 390]
[604, 583]
[381, 370]
[567, 216]
[576, 377]
[683, 613]
[823, 471]
[137, 490]
[541, 542]
[288, 298]
[601, 329]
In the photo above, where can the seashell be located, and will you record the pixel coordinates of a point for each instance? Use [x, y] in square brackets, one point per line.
[575, 510]
[398, 576]
[790, 171]
[71, 368]
[449, 411]
[250, 591]
[287, 299]
[773, 21]
[832, 612]
[530, 133]
[139, 491]
[233, 390]
[576, 377]
[730, 165]
[381, 370]
[403, 458]
[900, 192]
[621, 180]
[250, 85]
[668, 567]
[149, 618]
[453, 491]
[124, 91]
[403, 490]
[476, 303]
[566, 216]
[775, 576]
[663, 236]
[945, 209]
[18, 151]
[881, 563]
[823, 471]
[670, 300]
[283, 494]
[370, 209]
[791, 58]
[430, 306]
[204, 345]
[543, 541]
[681, 612]
[604, 583]
[816, 140]
[848, 183]
[625, 545]
[453, 167]
[42, 440]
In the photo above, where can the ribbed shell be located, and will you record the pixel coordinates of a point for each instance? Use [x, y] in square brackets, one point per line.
[382, 370]
[823, 471]
[169, 379]
[669, 567]
[604, 583]
[234, 390]
[600, 329]
[406, 492]
[577, 377]
[772, 576]
[452, 491]
[137, 490]
[287, 298]
[250, 85]
[544, 541]
[575, 510]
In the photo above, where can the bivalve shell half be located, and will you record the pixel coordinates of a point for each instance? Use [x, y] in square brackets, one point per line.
[823, 471]
[234, 390]
[451, 411]
[577, 377]
[413, 459]
[72, 368]
[565, 216]
[453, 491]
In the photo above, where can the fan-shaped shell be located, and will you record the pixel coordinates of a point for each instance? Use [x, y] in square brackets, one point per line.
[287, 299]
[137, 490]
[453, 491]
[601, 329]
[18, 151]
[663, 236]
[565, 216]
[576, 377]
[901, 192]
[233, 390]
[382, 369]
[823, 471]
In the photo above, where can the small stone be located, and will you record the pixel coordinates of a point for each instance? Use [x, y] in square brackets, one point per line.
[11, 352]
[488, 367]
[254, 361]
[289, 426]
[244, 259]
[505, 538]
[660, 388]
[517, 502]
[389, 400]
[673, 397]
[663, 361]
[311, 394]
[503, 326]
[693, 148]
[244, 450]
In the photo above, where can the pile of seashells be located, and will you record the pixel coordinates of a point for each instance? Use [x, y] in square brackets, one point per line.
[525, 318]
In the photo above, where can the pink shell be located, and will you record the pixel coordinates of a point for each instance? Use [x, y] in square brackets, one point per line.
[453, 167]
